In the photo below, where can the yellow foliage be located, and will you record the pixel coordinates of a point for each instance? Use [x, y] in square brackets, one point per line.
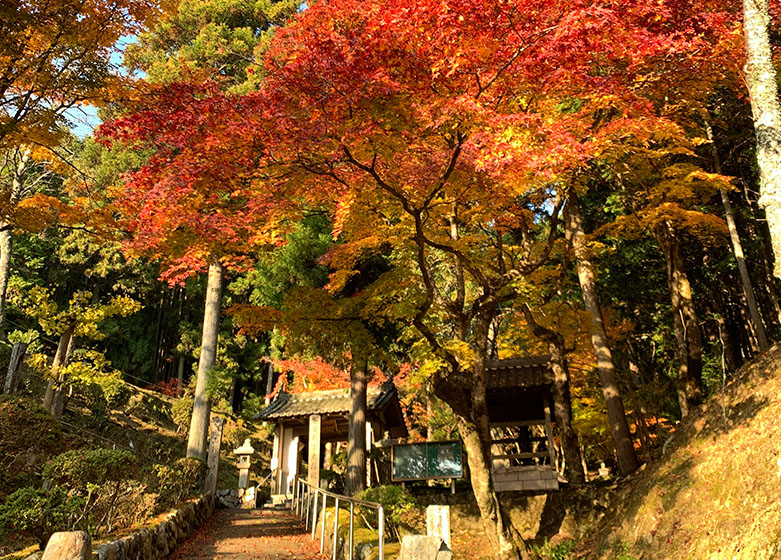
[82, 314]
[56, 55]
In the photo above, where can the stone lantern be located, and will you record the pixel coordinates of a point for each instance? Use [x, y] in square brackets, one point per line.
[244, 455]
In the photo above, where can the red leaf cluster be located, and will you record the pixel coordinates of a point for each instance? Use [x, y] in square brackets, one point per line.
[388, 104]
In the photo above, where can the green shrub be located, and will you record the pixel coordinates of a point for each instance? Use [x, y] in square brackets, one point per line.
[559, 551]
[101, 478]
[181, 411]
[149, 407]
[115, 391]
[101, 394]
[234, 433]
[29, 435]
[95, 401]
[401, 509]
[81, 467]
[179, 480]
[39, 513]
[331, 480]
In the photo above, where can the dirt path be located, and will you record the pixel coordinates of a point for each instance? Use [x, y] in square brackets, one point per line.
[250, 535]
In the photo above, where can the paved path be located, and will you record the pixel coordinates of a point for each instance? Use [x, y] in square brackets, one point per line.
[250, 535]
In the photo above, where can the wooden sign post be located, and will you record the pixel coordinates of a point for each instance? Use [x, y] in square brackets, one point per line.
[213, 460]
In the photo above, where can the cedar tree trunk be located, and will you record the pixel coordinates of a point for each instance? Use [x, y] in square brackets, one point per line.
[5, 272]
[6, 237]
[355, 480]
[199, 423]
[619, 428]
[687, 328]
[180, 377]
[745, 279]
[737, 248]
[763, 91]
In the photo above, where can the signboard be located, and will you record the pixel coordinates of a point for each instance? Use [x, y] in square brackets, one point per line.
[431, 459]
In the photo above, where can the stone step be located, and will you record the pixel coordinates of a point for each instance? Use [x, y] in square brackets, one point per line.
[278, 505]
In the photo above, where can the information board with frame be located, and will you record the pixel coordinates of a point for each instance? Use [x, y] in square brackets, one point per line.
[427, 460]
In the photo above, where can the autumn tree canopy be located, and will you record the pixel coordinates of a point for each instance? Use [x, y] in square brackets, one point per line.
[489, 179]
[57, 55]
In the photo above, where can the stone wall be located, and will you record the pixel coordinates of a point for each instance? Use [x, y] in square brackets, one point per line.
[158, 541]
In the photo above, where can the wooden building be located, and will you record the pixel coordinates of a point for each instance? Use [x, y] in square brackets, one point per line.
[519, 410]
[305, 422]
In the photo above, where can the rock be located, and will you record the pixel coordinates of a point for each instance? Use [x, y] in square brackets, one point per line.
[152, 543]
[131, 546]
[147, 544]
[250, 498]
[161, 540]
[228, 498]
[365, 551]
[108, 551]
[69, 545]
[34, 556]
[423, 547]
[121, 549]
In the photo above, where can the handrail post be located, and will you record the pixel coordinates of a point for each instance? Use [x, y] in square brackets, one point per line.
[322, 527]
[314, 516]
[336, 524]
[308, 504]
[352, 510]
[382, 533]
[312, 505]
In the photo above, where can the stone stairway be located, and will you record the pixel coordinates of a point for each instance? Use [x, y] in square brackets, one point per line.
[259, 534]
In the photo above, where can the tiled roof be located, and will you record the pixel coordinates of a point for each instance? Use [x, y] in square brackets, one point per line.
[337, 401]
[533, 371]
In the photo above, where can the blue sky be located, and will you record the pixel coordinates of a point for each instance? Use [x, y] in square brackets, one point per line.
[83, 119]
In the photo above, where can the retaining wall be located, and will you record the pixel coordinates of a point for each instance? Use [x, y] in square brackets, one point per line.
[158, 541]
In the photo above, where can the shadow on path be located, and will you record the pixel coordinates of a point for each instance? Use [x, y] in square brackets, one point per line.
[249, 535]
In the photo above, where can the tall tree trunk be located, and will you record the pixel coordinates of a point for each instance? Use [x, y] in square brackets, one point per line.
[356, 432]
[619, 427]
[725, 338]
[180, 376]
[687, 328]
[6, 236]
[5, 273]
[504, 538]
[475, 432]
[562, 405]
[61, 356]
[18, 351]
[466, 397]
[737, 248]
[763, 91]
[642, 426]
[199, 423]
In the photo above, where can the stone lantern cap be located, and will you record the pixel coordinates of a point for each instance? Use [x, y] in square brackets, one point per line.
[245, 449]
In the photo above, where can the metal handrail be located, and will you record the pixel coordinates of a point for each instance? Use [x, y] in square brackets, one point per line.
[303, 498]
[262, 482]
